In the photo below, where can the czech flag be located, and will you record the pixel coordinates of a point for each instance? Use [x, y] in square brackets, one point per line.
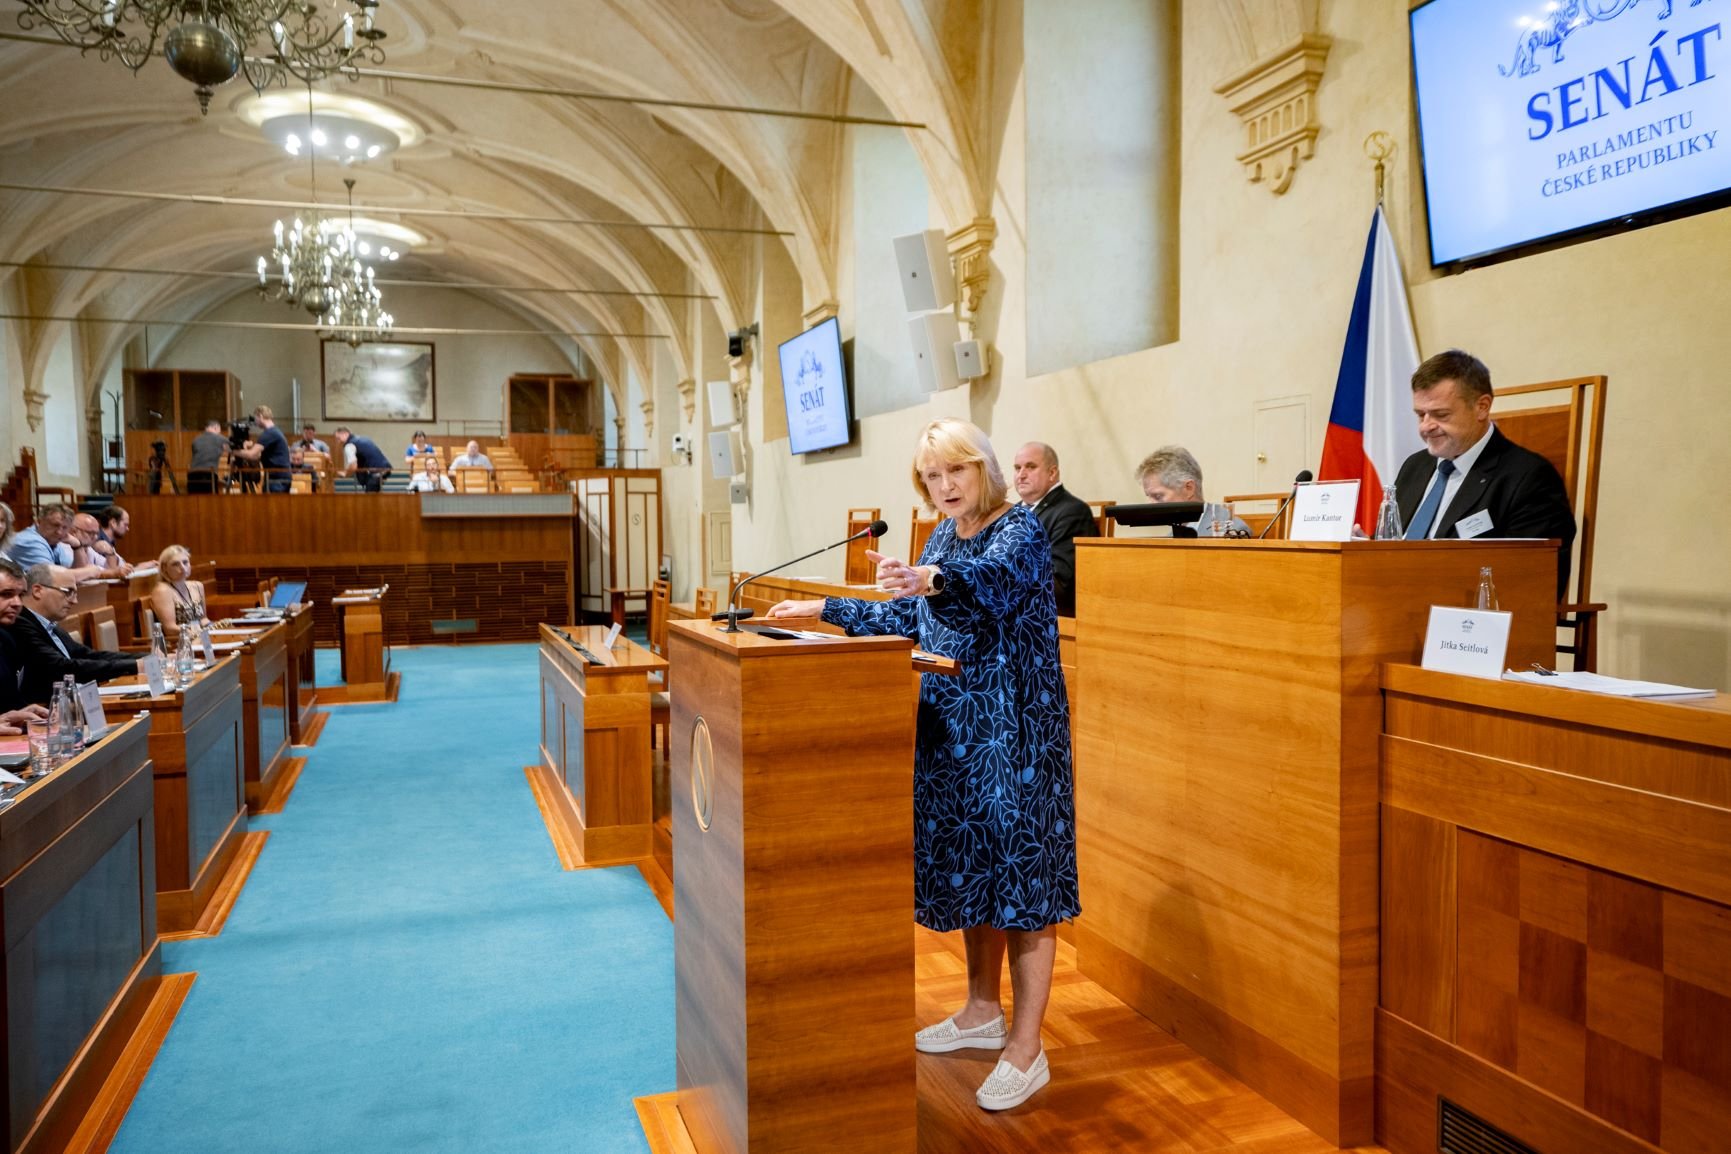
[1371, 429]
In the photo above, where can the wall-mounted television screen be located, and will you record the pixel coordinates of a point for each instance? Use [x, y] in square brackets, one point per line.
[814, 385]
[1544, 118]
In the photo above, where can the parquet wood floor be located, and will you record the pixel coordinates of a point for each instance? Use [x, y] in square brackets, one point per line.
[1119, 1084]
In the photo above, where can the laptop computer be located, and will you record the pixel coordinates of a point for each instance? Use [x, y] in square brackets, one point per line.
[287, 593]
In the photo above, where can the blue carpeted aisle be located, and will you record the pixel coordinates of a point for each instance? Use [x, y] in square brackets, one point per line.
[408, 968]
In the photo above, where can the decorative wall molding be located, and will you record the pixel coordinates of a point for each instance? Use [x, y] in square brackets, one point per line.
[820, 312]
[34, 399]
[970, 252]
[739, 374]
[687, 399]
[648, 408]
[1276, 100]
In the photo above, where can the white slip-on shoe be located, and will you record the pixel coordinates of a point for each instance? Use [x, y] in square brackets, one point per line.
[947, 1036]
[1008, 1087]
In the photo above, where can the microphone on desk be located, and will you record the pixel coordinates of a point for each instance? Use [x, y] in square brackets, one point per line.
[733, 615]
[1305, 477]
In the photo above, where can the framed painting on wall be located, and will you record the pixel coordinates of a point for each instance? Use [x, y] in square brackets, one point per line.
[382, 381]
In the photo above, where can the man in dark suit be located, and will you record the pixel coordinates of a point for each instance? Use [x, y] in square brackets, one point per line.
[1469, 480]
[14, 713]
[47, 652]
[1064, 516]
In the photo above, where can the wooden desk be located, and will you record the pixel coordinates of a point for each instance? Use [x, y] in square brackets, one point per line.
[303, 695]
[595, 741]
[1556, 916]
[1226, 818]
[366, 658]
[793, 827]
[264, 676]
[197, 742]
[81, 953]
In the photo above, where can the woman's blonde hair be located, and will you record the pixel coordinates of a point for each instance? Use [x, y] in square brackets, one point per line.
[169, 554]
[947, 441]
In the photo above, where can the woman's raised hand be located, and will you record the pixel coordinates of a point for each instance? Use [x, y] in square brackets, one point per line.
[897, 577]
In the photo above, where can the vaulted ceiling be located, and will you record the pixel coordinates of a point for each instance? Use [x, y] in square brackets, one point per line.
[715, 184]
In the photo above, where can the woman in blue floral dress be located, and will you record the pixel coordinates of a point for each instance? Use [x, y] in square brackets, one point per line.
[994, 815]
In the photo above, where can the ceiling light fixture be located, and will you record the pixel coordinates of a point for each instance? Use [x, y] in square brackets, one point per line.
[209, 41]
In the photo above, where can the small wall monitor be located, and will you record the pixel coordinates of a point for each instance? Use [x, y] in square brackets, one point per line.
[814, 386]
[1541, 120]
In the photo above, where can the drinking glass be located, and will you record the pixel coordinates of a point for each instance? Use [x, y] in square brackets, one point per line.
[36, 733]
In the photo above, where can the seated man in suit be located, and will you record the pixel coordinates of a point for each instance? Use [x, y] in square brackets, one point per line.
[1171, 473]
[46, 651]
[14, 713]
[1469, 480]
[1064, 515]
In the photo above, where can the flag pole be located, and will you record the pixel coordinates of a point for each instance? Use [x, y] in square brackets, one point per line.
[1379, 146]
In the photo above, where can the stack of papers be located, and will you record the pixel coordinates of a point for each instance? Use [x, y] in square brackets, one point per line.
[1615, 686]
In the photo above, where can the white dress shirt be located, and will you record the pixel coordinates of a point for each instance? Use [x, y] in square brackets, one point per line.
[1463, 465]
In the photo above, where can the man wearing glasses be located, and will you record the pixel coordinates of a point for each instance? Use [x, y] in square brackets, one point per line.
[45, 650]
[14, 713]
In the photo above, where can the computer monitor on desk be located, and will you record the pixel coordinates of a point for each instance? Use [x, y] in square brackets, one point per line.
[287, 593]
[1181, 515]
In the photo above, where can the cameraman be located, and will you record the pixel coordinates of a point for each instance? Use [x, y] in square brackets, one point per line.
[270, 451]
[207, 450]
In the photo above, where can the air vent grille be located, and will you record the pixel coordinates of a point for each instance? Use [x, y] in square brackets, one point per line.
[1459, 1132]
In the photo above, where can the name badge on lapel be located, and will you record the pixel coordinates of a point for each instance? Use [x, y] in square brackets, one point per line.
[1475, 526]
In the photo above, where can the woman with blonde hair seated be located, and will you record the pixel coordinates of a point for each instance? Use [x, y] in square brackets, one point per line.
[175, 595]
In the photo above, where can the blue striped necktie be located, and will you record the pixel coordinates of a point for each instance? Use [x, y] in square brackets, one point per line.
[1432, 503]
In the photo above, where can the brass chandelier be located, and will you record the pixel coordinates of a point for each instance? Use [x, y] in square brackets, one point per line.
[319, 268]
[209, 42]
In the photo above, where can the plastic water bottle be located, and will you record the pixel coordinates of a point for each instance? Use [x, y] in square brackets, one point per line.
[1487, 598]
[1388, 526]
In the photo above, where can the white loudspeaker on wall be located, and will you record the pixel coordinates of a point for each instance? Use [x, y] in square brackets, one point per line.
[970, 360]
[934, 337]
[721, 411]
[924, 262]
[723, 461]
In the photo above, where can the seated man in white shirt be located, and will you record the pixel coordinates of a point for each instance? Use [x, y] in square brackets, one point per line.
[90, 549]
[1171, 473]
[52, 541]
[472, 458]
[428, 479]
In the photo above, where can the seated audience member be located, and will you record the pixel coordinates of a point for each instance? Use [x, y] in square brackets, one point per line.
[428, 479]
[1170, 473]
[113, 524]
[472, 458]
[8, 526]
[14, 713]
[363, 460]
[310, 443]
[48, 653]
[207, 450]
[174, 593]
[52, 541]
[417, 448]
[1469, 480]
[88, 547]
[270, 451]
[1064, 516]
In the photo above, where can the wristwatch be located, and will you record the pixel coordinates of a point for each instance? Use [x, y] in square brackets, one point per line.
[935, 583]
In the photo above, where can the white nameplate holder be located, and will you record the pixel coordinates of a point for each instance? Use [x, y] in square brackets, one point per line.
[90, 701]
[612, 636]
[151, 667]
[1324, 511]
[1469, 641]
[209, 653]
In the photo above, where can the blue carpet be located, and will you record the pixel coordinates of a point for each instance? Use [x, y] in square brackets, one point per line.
[408, 968]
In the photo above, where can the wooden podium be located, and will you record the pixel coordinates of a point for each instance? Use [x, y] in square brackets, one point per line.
[366, 658]
[793, 880]
[1226, 786]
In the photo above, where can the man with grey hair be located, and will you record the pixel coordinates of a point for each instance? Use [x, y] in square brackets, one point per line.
[1171, 473]
[1063, 515]
[47, 651]
[51, 541]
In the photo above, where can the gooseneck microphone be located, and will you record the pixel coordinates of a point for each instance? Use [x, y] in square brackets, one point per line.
[1305, 477]
[733, 616]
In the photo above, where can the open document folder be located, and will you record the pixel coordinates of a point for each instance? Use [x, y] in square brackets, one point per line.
[1615, 686]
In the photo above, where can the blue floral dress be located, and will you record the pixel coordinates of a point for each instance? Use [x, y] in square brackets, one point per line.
[994, 815]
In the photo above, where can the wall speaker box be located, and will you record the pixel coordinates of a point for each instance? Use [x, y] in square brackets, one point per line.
[934, 336]
[723, 461]
[970, 360]
[924, 261]
[721, 412]
[738, 493]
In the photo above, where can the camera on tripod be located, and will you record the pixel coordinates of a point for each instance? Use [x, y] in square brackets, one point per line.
[239, 430]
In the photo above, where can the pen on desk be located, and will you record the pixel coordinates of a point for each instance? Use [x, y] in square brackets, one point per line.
[1542, 671]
